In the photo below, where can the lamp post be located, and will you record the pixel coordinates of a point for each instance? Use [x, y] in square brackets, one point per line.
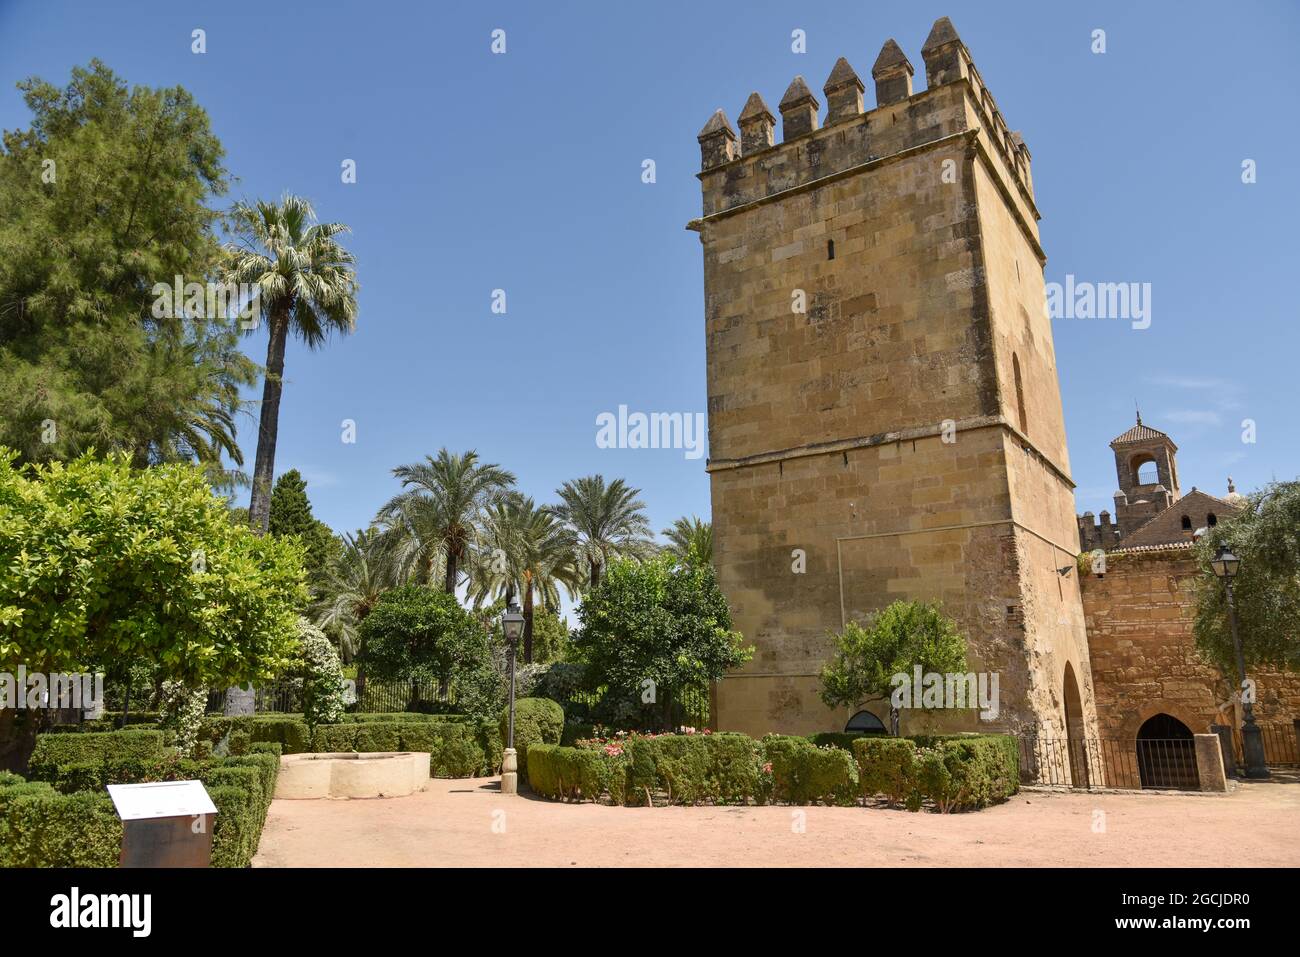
[512, 626]
[1225, 565]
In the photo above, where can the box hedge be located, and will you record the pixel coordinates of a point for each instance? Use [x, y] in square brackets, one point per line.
[537, 721]
[956, 772]
[67, 820]
[53, 750]
[803, 773]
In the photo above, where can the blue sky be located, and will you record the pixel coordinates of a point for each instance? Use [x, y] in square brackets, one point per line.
[522, 172]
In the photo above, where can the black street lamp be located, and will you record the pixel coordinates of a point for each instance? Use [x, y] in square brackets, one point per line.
[1225, 565]
[512, 627]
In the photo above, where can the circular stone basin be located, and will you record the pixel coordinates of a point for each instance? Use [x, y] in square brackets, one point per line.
[352, 775]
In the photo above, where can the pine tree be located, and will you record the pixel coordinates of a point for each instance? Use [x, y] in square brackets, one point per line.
[291, 515]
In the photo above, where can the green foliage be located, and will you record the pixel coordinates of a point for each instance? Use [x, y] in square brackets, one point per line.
[537, 721]
[690, 539]
[322, 677]
[803, 773]
[608, 521]
[835, 739]
[54, 750]
[662, 621]
[568, 773]
[887, 766]
[291, 515]
[106, 195]
[182, 713]
[69, 822]
[40, 827]
[101, 563]
[1265, 536]
[894, 641]
[419, 633]
[955, 772]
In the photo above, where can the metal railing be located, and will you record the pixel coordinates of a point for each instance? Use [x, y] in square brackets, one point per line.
[1109, 762]
[1280, 744]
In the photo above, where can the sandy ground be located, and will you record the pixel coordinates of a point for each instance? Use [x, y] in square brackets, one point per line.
[467, 822]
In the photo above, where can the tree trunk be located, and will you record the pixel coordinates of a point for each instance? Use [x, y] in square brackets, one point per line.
[595, 573]
[259, 506]
[449, 583]
[528, 625]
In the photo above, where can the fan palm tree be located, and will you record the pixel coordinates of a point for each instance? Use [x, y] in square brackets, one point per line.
[354, 580]
[607, 521]
[438, 513]
[306, 286]
[690, 537]
[525, 550]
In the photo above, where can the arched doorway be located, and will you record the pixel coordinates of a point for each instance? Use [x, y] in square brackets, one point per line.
[1074, 731]
[864, 722]
[1166, 754]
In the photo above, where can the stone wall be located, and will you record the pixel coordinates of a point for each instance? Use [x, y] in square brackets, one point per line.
[1144, 659]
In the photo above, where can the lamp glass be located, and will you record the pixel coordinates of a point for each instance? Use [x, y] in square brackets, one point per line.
[1225, 563]
[512, 624]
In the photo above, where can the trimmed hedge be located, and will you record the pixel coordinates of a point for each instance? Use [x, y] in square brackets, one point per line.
[40, 827]
[67, 820]
[956, 772]
[54, 750]
[537, 721]
[803, 773]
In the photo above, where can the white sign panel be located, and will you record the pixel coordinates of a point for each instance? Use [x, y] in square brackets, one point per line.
[138, 802]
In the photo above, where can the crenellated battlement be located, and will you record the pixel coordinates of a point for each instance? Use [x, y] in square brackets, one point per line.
[738, 171]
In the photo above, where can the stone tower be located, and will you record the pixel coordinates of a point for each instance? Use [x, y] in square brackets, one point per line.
[884, 414]
[1136, 501]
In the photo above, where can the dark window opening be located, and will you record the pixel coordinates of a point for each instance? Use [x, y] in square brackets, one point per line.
[830, 249]
[1187, 521]
[1211, 519]
[1020, 393]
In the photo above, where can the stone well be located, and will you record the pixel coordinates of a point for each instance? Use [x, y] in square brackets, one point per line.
[352, 775]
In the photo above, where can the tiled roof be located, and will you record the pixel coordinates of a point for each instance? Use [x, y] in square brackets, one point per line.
[1139, 433]
[1163, 547]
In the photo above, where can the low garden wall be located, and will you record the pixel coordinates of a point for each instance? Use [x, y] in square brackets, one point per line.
[948, 773]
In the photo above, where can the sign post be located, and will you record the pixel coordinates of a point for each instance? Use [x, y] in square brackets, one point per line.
[164, 824]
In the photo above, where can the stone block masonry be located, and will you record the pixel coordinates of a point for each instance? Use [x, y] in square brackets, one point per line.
[882, 391]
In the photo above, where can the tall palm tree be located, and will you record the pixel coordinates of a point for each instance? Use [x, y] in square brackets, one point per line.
[440, 507]
[525, 550]
[690, 536]
[354, 580]
[608, 521]
[306, 286]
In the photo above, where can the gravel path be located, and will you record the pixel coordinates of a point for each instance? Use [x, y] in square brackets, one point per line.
[467, 822]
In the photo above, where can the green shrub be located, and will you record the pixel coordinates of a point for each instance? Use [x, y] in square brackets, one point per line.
[537, 721]
[887, 766]
[266, 747]
[237, 830]
[569, 773]
[377, 736]
[803, 773]
[403, 717]
[576, 732]
[290, 732]
[456, 749]
[40, 827]
[967, 773]
[8, 779]
[54, 750]
[238, 742]
[334, 738]
[835, 739]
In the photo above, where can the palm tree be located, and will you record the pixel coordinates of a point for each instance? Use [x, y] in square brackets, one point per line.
[354, 580]
[608, 521]
[526, 550]
[306, 286]
[690, 536]
[438, 513]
